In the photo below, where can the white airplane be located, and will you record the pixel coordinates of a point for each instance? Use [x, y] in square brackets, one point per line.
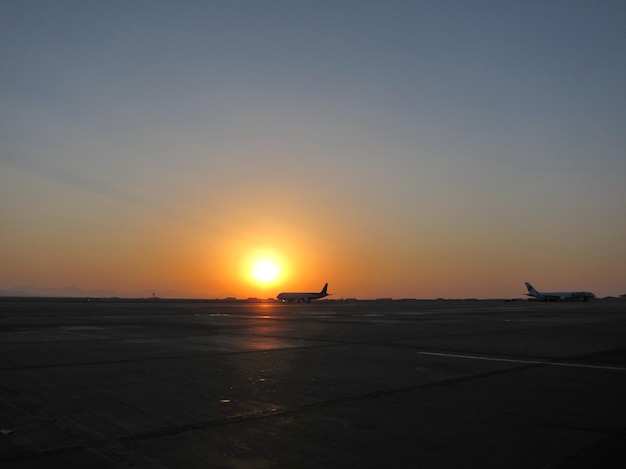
[558, 295]
[302, 296]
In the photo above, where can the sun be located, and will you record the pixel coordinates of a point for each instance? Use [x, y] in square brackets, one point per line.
[265, 270]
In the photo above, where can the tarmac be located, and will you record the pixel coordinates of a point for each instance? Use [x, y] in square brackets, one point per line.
[331, 384]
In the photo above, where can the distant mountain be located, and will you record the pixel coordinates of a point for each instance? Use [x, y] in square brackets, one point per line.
[75, 292]
[57, 292]
[19, 293]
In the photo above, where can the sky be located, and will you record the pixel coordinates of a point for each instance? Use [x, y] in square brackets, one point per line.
[404, 149]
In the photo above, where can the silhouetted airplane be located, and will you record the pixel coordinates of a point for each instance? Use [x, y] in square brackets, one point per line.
[302, 296]
[558, 295]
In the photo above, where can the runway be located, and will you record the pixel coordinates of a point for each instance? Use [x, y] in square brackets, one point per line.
[330, 384]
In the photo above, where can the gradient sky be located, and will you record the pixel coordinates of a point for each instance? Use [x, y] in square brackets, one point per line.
[401, 148]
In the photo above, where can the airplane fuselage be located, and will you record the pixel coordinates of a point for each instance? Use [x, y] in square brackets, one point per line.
[558, 295]
[302, 296]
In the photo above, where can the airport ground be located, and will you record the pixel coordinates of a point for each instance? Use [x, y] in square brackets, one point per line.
[330, 384]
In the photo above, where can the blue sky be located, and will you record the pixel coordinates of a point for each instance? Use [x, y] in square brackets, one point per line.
[418, 149]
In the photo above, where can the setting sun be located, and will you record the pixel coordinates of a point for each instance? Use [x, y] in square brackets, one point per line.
[265, 270]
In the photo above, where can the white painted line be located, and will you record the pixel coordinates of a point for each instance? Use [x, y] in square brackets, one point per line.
[525, 362]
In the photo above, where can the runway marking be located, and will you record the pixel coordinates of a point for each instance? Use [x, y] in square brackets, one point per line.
[525, 362]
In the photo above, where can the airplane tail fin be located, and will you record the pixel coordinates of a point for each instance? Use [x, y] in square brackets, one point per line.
[531, 289]
[323, 292]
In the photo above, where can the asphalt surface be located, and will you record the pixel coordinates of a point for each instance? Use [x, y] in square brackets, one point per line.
[330, 384]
